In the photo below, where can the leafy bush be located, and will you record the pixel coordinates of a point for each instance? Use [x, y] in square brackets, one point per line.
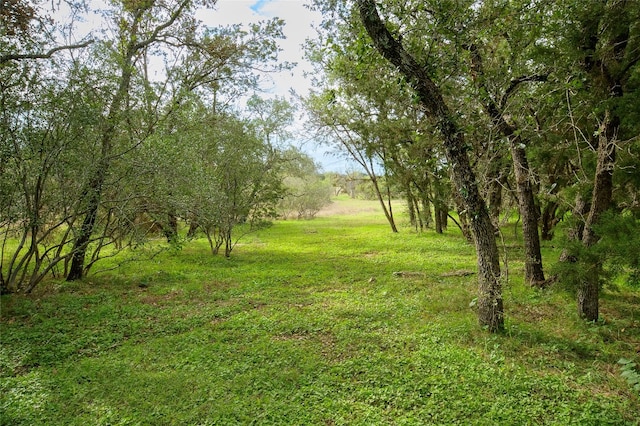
[614, 255]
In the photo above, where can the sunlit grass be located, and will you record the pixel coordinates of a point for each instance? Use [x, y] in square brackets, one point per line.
[308, 324]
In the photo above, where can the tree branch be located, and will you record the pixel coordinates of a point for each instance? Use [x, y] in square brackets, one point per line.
[392, 50]
[46, 55]
[516, 82]
[172, 18]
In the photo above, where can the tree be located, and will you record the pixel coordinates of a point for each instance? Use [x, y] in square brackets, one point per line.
[38, 132]
[136, 36]
[490, 310]
[345, 125]
[306, 191]
[74, 184]
[604, 45]
[534, 274]
[242, 183]
[45, 127]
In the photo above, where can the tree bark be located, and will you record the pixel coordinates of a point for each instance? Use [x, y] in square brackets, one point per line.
[94, 190]
[548, 220]
[588, 292]
[609, 75]
[496, 179]
[534, 274]
[489, 302]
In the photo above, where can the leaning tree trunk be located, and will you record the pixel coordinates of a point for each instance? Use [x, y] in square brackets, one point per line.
[548, 220]
[386, 205]
[489, 302]
[95, 186]
[81, 243]
[94, 190]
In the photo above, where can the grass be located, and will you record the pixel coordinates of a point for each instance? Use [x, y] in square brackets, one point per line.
[306, 324]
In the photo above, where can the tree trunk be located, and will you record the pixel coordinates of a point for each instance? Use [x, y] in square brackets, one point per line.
[438, 218]
[444, 216]
[464, 226]
[94, 197]
[170, 230]
[108, 133]
[588, 291]
[441, 215]
[425, 215]
[94, 192]
[534, 274]
[386, 207]
[489, 302]
[193, 227]
[76, 270]
[497, 179]
[548, 220]
[411, 206]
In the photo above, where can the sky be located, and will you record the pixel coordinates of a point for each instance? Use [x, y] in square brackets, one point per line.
[299, 25]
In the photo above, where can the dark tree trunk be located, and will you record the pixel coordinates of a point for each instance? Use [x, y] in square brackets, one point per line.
[534, 274]
[193, 227]
[94, 196]
[108, 133]
[441, 216]
[444, 216]
[490, 308]
[171, 229]
[438, 217]
[94, 191]
[588, 291]
[548, 220]
[76, 270]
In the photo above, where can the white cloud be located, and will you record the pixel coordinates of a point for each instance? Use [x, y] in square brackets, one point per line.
[298, 26]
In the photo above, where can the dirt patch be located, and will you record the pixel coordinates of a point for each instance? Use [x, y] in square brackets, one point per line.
[349, 208]
[459, 273]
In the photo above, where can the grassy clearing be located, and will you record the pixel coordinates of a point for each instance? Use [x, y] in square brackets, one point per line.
[307, 324]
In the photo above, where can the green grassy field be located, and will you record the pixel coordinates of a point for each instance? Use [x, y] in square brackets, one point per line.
[307, 324]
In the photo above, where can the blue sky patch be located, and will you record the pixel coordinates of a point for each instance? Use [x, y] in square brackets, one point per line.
[259, 5]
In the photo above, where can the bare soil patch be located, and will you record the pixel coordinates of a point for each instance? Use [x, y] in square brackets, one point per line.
[348, 207]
